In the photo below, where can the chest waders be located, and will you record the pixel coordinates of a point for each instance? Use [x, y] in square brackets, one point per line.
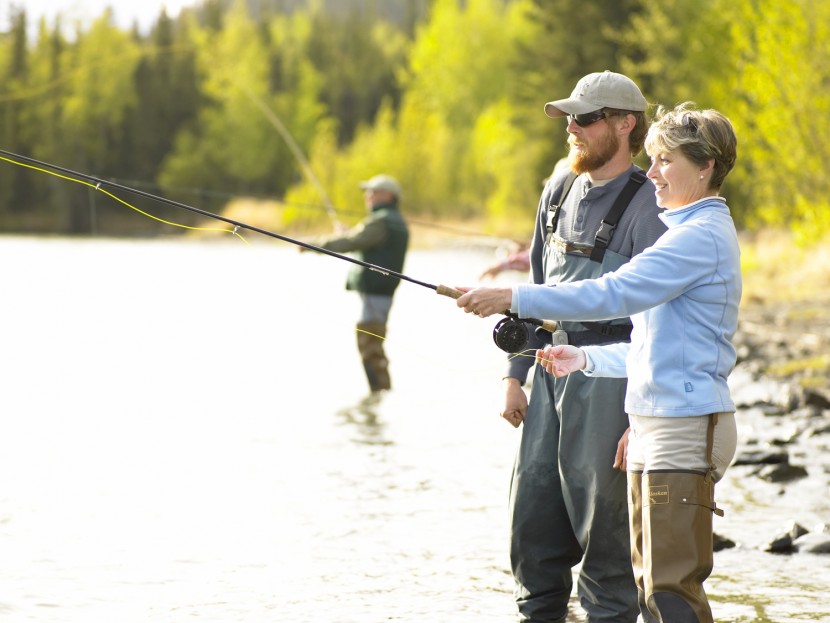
[567, 503]
[671, 540]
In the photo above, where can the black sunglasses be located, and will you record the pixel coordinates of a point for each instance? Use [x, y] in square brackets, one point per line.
[586, 119]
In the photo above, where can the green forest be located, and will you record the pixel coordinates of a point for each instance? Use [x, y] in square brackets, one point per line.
[294, 102]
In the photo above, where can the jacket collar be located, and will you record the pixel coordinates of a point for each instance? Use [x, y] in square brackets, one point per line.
[680, 215]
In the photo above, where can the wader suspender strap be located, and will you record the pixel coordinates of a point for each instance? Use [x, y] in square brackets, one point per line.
[556, 204]
[609, 223]
[603, 237]
[620, 332]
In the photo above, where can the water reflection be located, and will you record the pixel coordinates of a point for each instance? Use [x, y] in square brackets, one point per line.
[365, 417]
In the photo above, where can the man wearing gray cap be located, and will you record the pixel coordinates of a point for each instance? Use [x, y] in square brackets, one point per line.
[567, 502]
[380, 239]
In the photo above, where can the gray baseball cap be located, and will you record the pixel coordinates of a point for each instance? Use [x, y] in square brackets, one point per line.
[382, 182]
[604, 89]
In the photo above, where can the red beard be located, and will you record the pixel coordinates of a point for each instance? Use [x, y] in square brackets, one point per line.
[592, 157]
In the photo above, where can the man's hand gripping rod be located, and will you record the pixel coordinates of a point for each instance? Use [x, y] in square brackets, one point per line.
[510, 334]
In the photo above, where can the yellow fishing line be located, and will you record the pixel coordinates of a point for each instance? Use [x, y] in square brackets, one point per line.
[380, 337]
[132, 207]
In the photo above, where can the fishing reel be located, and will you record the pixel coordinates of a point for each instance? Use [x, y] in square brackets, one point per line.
[511, 334]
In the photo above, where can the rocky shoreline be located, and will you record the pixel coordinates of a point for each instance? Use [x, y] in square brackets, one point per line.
[781, 386]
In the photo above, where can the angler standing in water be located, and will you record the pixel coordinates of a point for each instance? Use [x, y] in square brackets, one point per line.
[381, 239]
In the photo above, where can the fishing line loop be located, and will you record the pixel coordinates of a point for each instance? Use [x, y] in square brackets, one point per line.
[97, 186]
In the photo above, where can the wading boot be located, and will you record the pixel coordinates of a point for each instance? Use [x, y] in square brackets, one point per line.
[371, 352]
[635, 522]
[677, 544]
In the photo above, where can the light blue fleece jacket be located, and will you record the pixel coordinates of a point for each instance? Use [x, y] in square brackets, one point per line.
[682, 294]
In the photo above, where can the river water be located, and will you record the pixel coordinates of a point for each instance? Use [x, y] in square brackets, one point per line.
[185, 436]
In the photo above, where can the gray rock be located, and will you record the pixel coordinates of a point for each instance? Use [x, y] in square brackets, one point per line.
[813, 543]
[721, 542]
[784, 543]
[815, 398]
[765, 456]
[782, 473]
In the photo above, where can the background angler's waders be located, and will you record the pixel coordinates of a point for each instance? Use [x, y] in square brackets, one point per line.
[375, 363]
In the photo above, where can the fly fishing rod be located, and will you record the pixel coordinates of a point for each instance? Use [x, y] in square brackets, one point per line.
[510, 334]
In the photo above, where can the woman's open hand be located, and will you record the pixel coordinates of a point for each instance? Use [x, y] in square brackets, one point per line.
[561, 360]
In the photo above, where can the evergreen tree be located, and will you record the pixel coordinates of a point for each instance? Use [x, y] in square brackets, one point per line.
[231, 146]
[356, 54]
[15, 183]
[41, 123]
[167, 98]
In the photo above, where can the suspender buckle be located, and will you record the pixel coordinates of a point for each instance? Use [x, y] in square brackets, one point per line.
[604, 233]
[552, 215]
[550, 227]
[601, 240]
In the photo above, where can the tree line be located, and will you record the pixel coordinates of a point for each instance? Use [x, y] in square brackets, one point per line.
[446, 95]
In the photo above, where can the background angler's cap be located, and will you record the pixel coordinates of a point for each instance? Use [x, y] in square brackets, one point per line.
[382, 182]
[604, 89]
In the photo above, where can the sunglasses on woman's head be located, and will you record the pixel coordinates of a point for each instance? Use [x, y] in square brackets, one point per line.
[689, 122]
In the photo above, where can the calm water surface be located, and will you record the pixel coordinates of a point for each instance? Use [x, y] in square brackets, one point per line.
[185, 437]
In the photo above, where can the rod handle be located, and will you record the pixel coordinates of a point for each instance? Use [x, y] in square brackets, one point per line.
[448, 291]
[549, 325]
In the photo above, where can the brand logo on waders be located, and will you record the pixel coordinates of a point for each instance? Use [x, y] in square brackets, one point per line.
[658, 494]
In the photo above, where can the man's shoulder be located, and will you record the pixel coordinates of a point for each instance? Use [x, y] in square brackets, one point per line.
[559, 176]
[645, 197]
[556, 182]
[644, 203]
[379, 217]
[642, 219]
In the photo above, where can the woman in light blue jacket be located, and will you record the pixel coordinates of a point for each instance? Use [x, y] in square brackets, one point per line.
[682, 295]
